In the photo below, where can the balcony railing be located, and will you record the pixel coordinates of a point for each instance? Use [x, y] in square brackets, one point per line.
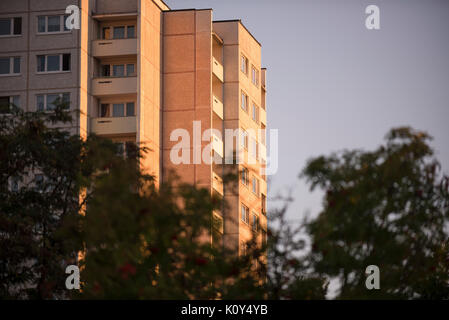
[263, 116]
[217, 69]
[217, 183]
[112, 86]
[217, 145]
[218, 107]
[114, 47]
[111, 126]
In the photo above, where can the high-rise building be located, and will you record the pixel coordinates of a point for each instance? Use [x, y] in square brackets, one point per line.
[142, 73]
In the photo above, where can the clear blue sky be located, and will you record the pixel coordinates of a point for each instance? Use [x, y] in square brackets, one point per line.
[333, 84]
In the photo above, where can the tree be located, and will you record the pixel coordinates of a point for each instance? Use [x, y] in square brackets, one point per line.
[388, 207]
[43, 169]
[63, 197]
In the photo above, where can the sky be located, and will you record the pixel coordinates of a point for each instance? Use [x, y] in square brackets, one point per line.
[332, 84]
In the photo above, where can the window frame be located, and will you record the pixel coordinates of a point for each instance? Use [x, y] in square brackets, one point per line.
[45, 101]
[11, 102]
[111, 70]
[255, 76]
[255, 114]
[244, 64]
[12, 64]
[110, 109]
[244, 139]
[244, 213]
[111, 31]
[61, 63]
[244, 97]
[62, 28]
[12, 27]
[244, 176]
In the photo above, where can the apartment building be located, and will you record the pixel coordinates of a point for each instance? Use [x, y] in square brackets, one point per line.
[138, 71]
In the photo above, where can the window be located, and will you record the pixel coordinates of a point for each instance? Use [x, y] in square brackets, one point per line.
[126, 149]
[11, 26]
[254, 76]
[130, 70]
[121, 109]
[130, 32]
[245, 214]
[9, 65]
[255, 185]
[48, 102]
[244, 101]
[254, 150]
[130, 110]
[264, 237]
[244, 65]
[244, 139]
[104, 110]
[52, 24]
[118, 32]
[7, 101]
[255, 113]
[118, 70]
[53, 63]
[245, 176]
[254, 222]
[118, 110]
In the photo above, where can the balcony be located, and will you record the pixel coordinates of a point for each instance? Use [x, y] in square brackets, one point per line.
[217, 69]
[113, 86]
[218, 107]
[263, 116]
[217, 183]
[263, 152]
[114, 47]
[110, 126]
[217, 145]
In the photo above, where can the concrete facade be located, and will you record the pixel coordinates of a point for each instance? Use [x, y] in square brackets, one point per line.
[137, 71]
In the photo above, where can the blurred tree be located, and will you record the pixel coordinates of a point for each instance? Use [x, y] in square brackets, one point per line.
[136, 241]
[388, 207]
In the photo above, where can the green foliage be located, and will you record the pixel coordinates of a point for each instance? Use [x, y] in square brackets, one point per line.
[388, 207]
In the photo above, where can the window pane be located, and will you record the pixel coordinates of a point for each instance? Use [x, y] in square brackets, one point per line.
[17, 65]
[66, 62]
[105, 70]
[104, 108]
[119, 32]
[40, 63]
[41, 24]
[130, 70]
[118, 110]
[131, 32]
[119, 70]
[4, 104]
[130, 109]
[4, 65]
[16, 101]
[64, 23]
[66, 100]
[52, 99]
[5, 27]
[40, 102]
[53, 63]
[18, 25]
[54, 23]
